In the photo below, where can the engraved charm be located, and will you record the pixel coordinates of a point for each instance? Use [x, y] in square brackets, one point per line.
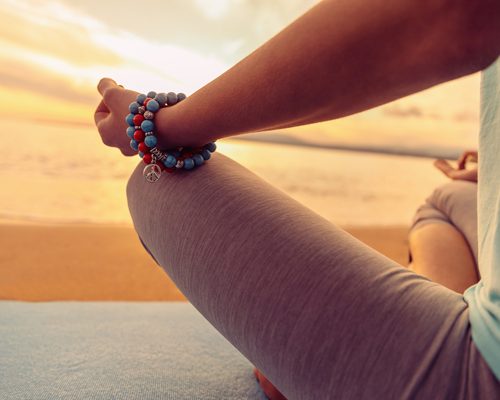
[158, 154]
[152, 172]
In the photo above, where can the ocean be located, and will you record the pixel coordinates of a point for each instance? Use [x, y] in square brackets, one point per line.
[64, 174]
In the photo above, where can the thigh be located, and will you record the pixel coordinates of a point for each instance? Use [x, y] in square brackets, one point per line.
[453, 203]
[318, 312]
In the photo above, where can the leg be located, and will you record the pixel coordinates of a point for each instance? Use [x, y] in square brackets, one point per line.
[318, 312]
[443, 238]
[441, 254]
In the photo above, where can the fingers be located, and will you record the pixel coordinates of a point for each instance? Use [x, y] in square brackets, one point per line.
[101, 112]
[443, 166]
[106, 84]
[463, 160]
[464, 175]
[470, 155]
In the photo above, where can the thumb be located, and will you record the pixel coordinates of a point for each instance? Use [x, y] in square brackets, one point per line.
[105, 84]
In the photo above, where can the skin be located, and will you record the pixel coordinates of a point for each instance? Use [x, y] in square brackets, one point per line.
[460, 172]
[320, 68]
[440, 251]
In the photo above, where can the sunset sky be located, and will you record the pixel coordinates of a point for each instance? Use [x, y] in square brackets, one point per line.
[52, 54]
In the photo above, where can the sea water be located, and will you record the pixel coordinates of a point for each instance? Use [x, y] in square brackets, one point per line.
[63, 173]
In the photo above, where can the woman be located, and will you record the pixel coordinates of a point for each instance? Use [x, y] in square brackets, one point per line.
[317, 312]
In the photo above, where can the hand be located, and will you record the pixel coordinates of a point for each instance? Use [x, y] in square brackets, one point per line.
[456, 173]
[110, 115]
[469, 155]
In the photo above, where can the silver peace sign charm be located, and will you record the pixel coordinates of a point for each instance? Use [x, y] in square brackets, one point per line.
[152, 172]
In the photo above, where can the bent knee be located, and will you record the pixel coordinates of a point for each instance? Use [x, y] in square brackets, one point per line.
[452, 194]
[440, 205]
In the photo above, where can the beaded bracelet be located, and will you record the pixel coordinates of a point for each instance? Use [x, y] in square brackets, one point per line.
[141, 131]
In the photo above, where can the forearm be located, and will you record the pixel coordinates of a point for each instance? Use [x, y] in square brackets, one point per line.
[340, 58]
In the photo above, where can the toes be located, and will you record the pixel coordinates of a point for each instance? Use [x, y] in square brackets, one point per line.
[257, 374]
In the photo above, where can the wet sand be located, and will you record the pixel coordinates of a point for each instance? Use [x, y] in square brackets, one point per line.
[106, 262]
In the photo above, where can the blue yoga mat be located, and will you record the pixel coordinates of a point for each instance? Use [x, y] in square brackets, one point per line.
[117, 350]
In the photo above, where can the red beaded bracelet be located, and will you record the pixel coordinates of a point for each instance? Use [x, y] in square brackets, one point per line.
[141, 131]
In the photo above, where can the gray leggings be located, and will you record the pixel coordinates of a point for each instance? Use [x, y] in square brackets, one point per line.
[453, 203]
[322, 315]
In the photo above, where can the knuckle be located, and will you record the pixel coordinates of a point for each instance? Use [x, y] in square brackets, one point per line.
[110, 94]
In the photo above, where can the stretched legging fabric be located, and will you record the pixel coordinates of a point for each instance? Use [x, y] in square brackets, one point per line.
[322, 315]
[453, 203]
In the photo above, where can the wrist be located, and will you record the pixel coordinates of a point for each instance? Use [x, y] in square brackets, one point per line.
[174, 130]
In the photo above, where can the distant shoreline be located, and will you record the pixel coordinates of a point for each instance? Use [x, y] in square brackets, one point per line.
[284, 139]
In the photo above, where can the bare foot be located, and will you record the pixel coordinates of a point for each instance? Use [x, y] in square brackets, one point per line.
[271, 392]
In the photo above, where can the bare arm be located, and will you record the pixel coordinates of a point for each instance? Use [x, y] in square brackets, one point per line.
[341, 57]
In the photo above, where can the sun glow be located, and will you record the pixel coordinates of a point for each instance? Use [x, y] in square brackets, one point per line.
[53, 53]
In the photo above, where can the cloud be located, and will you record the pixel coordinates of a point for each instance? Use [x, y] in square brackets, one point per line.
[59, 52]
[399, 111]
[46, 82]
[53, 32]
[404, 112]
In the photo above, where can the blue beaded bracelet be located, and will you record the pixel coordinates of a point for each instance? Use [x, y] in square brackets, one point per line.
[141, 131]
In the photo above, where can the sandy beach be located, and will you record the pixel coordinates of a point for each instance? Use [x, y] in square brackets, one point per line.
[105, 262]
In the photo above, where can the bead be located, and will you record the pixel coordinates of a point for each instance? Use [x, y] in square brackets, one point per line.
[152, 94]
[188, 163]
[169, 170]
[133, 145]
[134, 107]
[141, 154]
[161, 98]
[138, 118]
[130, 119]
[147, 158]
[198, 159]
[150, 141]
[180, 96]
[161, 165]
[139, 135]
[170, 161]
[149, 115]
[143, 148]
[150, 133]
[206, 154]
[148, 99]
[171, 98]
[210, 147]
[153, 105]
[141, 110]
[141, 98]
[130, 132]
[147, 125]
[180, 164]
